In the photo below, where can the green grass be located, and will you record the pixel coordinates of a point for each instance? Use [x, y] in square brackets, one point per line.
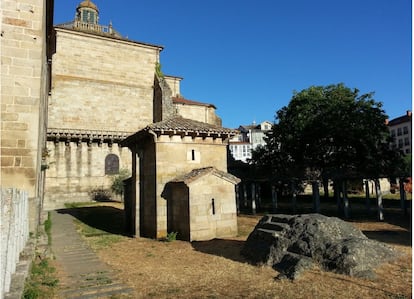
[48, 228]
[42, 282]
[96, 238]
[74, 205]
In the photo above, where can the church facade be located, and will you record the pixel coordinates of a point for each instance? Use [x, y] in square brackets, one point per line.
[104, 87]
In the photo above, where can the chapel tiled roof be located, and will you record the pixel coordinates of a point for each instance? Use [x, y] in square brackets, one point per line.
[180, 126]
[195, 174]
[180, 100]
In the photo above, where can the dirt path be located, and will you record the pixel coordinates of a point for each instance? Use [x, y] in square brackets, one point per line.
[81, 273]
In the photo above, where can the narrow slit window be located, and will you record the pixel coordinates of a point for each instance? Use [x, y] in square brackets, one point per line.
[192, 155]
[213, 206]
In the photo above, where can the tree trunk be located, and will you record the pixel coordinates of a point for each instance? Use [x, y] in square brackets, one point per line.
[403, 196]
[367, 200]
[315, 196]
[337, 196]
[345, 199]
[274, 199]
[325, 183]
[293, 188]
[259, 196]
[379, 200]
[253, 199]
[245, 195]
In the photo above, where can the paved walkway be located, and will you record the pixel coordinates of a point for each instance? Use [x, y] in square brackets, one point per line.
[84, 275]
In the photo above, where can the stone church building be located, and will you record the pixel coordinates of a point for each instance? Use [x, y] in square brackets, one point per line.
[105, 87]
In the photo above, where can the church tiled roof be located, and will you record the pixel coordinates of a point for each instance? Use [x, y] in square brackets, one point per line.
[180, 100]
[180, 124]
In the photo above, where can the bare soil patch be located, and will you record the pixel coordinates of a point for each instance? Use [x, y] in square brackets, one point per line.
[215, 269]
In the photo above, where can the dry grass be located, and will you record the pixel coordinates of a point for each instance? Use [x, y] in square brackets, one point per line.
[215, 269]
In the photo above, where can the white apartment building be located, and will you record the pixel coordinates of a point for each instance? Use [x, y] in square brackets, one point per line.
[249, 138]
[400, 130]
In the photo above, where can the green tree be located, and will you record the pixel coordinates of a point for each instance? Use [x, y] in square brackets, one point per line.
[329, 132]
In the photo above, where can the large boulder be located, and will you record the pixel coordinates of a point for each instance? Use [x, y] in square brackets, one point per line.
[293, 243]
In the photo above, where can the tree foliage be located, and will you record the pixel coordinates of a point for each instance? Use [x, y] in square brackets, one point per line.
[329, 132]
[117, 186]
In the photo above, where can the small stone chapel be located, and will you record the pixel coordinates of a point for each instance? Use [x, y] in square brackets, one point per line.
[180, 182]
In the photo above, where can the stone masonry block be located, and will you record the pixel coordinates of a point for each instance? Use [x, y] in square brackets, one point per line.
[18, 126]
[15, 22]
[11, 134]
[27, 162]
[7, 161]
[19, 108]
[25, 101]
[9, 116]
[21, 143]
[15, 152]
[9, 143]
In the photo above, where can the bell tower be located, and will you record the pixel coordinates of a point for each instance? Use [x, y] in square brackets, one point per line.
[87, 12]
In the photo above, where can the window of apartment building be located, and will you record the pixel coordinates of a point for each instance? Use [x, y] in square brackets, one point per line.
[399, 131]
[406, 141]
[405, 130]
[400, 143]
[392, 133]
[407, 151]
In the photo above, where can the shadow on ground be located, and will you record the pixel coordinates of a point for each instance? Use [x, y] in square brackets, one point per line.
[104, 218]
[390, 237]
[229, 249]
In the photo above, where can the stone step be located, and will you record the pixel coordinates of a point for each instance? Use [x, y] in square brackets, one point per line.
[269, 232]
[274, 226]
[280, 218]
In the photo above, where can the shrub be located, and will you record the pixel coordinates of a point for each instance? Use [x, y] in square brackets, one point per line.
[118, 181]
[171, 236]
[100, 194]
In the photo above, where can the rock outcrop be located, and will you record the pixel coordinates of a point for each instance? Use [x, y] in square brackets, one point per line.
[292, 244]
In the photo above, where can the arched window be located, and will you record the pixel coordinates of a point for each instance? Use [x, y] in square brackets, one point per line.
[111, 164]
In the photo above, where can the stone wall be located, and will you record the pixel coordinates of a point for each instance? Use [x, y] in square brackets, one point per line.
[203, 113]
[212, 209]
[101, 83]
[24, 88]
[176, 155]
[174, 83]
[163, 104]
[77, 169]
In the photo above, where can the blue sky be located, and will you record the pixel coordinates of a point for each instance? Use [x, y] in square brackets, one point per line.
[247, 57]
